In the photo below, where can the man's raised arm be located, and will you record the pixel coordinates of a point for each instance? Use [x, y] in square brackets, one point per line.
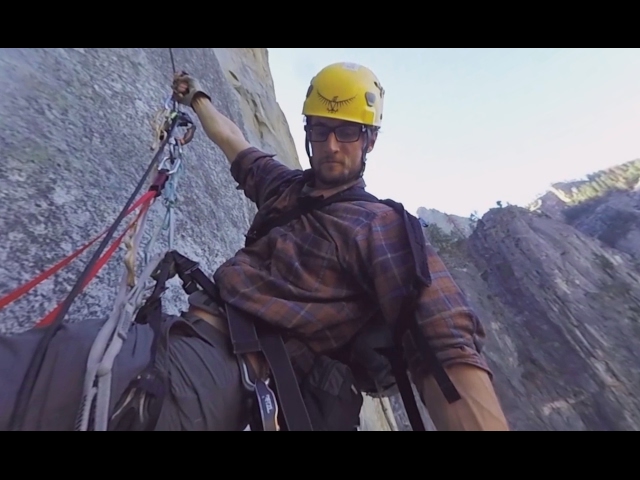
[222, 131]
[258, 174]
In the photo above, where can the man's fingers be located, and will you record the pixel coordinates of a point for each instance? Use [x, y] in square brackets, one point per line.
[180, 86]
[180, 76]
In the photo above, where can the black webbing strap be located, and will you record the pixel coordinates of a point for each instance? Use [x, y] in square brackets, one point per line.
[249, 336]
[306, 205]
[407, 320]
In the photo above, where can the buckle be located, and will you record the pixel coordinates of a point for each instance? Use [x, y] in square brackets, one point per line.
[267, 401]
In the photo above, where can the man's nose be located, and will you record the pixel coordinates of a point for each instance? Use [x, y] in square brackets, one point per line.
[332, 142]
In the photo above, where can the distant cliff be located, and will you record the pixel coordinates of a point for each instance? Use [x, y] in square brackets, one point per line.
[449, 224]
[558, 288]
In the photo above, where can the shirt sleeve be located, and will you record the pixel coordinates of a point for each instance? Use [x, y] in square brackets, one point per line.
[450, 326]
[260, 175]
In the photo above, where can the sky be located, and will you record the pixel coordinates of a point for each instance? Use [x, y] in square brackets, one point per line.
[465, 128]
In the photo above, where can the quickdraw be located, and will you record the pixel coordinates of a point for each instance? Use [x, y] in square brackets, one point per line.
[129, 298]
[162, 121]
[97, 387]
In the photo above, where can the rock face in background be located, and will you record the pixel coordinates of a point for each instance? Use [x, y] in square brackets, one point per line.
[606, 205]
[615, 220]
[565, 322]
[550, 204]
[247, 70]
[76, 140]
[449, 224]
[558, 290]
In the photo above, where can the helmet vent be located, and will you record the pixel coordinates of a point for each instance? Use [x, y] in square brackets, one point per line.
[370, 98]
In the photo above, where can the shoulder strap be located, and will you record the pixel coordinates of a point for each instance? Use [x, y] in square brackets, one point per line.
[417, 240]
[305, 205]
[406, 321]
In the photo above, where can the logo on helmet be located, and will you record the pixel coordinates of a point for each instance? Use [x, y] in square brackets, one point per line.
[333, 105]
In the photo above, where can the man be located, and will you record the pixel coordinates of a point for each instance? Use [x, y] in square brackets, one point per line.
[314, 276]
[322, 279]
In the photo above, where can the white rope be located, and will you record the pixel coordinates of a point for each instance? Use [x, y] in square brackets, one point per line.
[105, 335]
[129, 299]
[105, 368]
[385, 411]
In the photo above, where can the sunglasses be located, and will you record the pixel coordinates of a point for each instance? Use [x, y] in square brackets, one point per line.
[344, 133]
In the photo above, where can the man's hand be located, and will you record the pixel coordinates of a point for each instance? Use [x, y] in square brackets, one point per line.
[185, 88]
[188, 90]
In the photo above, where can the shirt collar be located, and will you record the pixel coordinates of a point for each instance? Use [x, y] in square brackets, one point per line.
[309, 178]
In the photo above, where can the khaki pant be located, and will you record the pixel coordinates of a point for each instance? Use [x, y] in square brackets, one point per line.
[207, 392]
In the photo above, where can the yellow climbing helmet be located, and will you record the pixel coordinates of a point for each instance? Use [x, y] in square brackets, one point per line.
[346, 91]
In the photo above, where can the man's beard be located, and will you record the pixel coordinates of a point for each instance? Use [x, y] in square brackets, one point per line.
[342, 177]
[331, 180]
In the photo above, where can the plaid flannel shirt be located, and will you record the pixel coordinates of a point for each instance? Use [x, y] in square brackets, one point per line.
[325, 274]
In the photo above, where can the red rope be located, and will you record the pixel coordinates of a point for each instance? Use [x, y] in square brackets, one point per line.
[19, 292]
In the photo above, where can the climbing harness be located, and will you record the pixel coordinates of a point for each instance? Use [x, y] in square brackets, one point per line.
[129, 298]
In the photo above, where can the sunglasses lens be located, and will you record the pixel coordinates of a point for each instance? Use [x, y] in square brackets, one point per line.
[344, 133]
[348, 133]
[318, 133]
